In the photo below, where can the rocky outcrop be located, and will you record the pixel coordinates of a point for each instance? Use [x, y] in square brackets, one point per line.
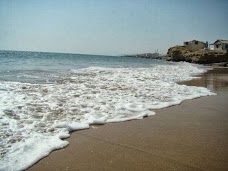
[182, 53]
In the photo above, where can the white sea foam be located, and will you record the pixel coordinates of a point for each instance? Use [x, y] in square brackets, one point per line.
[35, 118]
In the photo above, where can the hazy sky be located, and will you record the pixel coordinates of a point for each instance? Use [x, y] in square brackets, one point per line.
[109, 26]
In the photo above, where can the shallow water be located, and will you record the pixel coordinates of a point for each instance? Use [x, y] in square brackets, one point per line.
[215, 80]
[44, 96]
[41, 67]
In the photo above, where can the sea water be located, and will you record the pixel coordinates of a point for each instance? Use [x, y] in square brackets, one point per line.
[45, 96]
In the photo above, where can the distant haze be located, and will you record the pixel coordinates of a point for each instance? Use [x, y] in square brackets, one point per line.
[110, 27]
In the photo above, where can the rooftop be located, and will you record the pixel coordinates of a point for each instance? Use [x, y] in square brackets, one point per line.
[221, 41]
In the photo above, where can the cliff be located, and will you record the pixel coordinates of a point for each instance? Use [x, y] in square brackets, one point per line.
[182, 53]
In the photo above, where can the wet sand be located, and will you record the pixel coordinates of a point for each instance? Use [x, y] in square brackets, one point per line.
[189, 136]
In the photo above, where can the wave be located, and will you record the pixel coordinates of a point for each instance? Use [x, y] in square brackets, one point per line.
[33, 115]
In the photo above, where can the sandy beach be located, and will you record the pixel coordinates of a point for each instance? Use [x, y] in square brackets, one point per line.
[189, 136]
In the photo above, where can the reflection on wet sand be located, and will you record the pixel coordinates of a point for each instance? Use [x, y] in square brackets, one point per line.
[215, 80]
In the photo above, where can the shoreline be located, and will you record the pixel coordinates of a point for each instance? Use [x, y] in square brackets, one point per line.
[192, 135]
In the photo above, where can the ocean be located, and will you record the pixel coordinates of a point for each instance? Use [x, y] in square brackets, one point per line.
[45, 96]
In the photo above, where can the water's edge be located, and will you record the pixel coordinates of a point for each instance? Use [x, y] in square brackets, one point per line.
[135, 109]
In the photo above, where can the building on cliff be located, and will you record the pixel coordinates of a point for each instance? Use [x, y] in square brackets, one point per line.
[221, 45]
[196, 45]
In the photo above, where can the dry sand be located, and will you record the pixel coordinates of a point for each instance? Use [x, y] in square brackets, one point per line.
[190, 136]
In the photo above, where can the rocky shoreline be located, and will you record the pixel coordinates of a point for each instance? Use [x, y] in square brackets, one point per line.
[211, 57]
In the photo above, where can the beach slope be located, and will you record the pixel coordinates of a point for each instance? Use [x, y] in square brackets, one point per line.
[189, 136]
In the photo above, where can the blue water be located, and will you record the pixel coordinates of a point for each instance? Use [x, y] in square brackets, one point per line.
[43, 67]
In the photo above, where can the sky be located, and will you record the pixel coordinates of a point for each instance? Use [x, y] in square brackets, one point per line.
[109, 27]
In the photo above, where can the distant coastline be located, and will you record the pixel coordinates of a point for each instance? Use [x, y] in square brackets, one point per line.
[155, 55]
